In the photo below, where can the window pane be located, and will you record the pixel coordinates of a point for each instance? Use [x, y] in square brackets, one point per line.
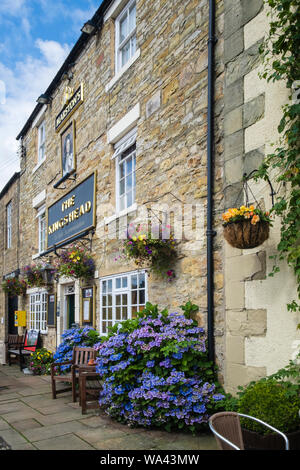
[122, 170]
[109, 286]
[142, 281]
[109, 300]
[125, 53]
[123, 28]
[129, 165]
[132, 18]
[124, 299]
[124, 282]
[122, 186]
[124, 313]
[142, 297]
[122, 203]
[128, 182]
[134, 282]
[118, 300]
[104, 300]
[118, 283]
[118, 313]
[134, 297]
[129, 199]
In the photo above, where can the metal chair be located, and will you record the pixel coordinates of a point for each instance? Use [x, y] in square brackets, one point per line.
[227, 430]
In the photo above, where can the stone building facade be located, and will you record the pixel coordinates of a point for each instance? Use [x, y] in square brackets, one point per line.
[142, 84]
[9, 249]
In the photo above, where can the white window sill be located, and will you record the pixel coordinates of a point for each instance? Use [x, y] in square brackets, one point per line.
[117, 215]
[123, 70]
[38, 165]
[37, 255]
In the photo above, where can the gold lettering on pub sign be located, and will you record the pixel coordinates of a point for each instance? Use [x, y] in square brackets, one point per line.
[73, 103]
[71, 216]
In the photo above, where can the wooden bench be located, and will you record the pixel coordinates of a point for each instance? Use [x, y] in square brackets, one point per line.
[22, 350]
[81, 357]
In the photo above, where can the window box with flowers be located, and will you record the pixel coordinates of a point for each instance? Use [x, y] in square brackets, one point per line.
[246, 227]
[75, 263]
[158, 253]
[14, 286]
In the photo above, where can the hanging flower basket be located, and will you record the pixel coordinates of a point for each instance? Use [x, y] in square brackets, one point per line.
[75, 263]
[246, 227]
[157, 253]
[34, 275]
[14, 286]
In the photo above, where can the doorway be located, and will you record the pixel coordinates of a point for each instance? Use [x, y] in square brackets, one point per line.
[69, 306]
[70, 310]
[12, 307]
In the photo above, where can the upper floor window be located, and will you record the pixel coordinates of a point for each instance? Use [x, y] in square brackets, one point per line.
[41, 142]
[125, 35]
[8, 225]
[126, 179]
[42, 229]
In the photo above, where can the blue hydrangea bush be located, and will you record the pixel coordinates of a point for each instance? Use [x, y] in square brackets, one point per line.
[156, 373]
[83, 337]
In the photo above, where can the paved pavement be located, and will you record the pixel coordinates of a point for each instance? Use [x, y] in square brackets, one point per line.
[30, 419]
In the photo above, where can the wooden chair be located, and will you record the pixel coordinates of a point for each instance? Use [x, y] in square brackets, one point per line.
[227, 430]
[81, 357]
[90, 386]
[23, 346]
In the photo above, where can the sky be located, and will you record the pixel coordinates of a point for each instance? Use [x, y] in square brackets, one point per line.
[35, 38]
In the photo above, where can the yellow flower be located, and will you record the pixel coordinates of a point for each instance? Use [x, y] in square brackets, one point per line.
[78, 258]
[134, 238]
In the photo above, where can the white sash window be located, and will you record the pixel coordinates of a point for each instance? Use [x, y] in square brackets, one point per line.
[38, 311]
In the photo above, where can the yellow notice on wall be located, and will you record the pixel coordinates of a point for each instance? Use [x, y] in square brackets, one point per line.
[20, 318]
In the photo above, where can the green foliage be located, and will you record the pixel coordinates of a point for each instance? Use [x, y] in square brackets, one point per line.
[281, 55]
[14, 286]
[189, 309]
[269, 401]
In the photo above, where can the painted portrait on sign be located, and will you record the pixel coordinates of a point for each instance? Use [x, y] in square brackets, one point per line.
[68, 161]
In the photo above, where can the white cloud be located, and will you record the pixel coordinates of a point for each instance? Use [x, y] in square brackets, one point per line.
[24, 84]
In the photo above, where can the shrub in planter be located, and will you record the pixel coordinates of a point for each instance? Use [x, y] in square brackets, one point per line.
[14, 286]
[40, 361]
[156, 373]
[76, 263]
[159, 253]
[273, 403]
[246, 227]
[84, 337]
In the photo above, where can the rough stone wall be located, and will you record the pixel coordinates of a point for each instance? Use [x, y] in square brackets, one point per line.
[261, 334]
[169, 81]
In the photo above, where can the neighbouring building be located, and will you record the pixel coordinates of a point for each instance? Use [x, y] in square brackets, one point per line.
[120, 136]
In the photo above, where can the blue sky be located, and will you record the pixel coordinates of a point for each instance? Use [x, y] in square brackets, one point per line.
[35, 38]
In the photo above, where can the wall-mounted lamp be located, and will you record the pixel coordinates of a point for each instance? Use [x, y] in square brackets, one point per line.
[67, 76]
[44, 99]
[88, 28]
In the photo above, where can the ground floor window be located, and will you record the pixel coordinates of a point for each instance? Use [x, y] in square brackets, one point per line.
[121, 297]
[38, 311]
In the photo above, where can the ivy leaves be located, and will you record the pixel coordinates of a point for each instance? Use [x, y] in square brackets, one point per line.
[280, 52]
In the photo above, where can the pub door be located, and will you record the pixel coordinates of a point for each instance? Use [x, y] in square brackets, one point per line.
[12, 306]
[70, 310]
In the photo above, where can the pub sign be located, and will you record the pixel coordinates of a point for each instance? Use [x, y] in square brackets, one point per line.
[72, 214]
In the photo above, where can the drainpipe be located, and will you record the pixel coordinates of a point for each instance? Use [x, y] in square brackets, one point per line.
[210, 233]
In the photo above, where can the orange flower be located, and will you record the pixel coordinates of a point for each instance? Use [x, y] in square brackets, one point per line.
[255, 219]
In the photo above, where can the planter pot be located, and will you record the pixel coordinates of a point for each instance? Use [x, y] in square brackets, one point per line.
[255, 441]
[245, 235]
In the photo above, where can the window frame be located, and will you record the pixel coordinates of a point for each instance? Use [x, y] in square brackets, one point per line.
[119, 161]
[119, 46]
[41, 144]
[34, 322]
[121, 291]
[8, 225]
[41, 241]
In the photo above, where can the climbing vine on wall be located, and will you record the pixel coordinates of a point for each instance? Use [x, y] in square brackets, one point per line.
[280, 52]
